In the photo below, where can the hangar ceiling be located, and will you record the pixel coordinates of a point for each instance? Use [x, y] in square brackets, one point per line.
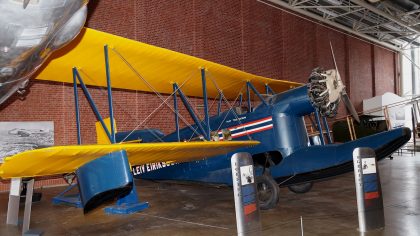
[394, 24]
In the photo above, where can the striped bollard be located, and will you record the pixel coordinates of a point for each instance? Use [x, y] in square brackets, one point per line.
[368, 190]
[245, 194]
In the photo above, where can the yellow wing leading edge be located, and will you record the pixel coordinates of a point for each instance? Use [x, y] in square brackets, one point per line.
[66, 159]
[160, 67]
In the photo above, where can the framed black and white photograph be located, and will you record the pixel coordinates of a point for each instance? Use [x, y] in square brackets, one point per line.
[16, 137]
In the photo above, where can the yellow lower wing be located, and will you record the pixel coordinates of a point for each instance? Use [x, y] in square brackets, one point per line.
[66, 159]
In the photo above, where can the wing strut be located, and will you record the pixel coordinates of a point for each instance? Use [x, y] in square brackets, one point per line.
[76, 103]
[190, 110]
[91, 102]
[268, 90]
[249, 84]
[219, 104]
[318, 123]
[206, 106]
[204, 131]
[108, 82]
[175, 86]
[234, 102]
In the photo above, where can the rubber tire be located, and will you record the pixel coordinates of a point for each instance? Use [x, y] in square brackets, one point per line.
[301, 188]
[273, 199]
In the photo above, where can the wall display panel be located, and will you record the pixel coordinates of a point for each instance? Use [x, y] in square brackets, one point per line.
[16, 137]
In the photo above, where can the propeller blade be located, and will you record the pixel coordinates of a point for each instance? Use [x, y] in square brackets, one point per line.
[333, 56]
[344, 95]
[350, 107]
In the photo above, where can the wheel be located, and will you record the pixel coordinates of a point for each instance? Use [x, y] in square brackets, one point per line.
[268, 192]
[301, 188]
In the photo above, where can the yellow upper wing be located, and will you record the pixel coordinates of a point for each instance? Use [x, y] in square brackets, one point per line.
[160, 67]
[66, 159]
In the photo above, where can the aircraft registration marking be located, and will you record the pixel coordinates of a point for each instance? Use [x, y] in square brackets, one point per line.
[137, 170]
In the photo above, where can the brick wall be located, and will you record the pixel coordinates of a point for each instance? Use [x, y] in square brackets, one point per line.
[243, 34]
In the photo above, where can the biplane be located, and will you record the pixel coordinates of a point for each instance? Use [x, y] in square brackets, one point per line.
[272, 115]
[103, 170]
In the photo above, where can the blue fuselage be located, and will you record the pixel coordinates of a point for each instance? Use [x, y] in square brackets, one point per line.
[280, 128]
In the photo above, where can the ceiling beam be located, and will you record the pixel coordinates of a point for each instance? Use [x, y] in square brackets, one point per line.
[384, 14]
[334, 24]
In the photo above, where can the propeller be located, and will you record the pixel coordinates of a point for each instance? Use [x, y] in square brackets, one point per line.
[326, 90]
[344, 95]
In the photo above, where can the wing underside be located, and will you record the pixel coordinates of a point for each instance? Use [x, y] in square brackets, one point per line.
[66, 159]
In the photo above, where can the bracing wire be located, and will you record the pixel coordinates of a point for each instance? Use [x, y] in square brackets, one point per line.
[157, 108]
[151, 87]
[231, 109]
[196, 127]
[103, 91]
[227, 102]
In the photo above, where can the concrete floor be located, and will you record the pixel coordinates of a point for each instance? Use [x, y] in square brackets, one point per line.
[180, 209]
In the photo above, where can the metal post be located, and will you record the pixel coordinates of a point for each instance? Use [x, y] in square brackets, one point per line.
[92, 103]
[28, 206]
[240, 100]
[413, 73]
[301, 225]
[245, 195]
[257, 93]
[324, 120]
[414, 124]
[108, 82]
[76, 103]
[248, 94]
[318, 122]
[190, 110]
[14, 200]
[176, 112]
[368, 189]
[206, 108]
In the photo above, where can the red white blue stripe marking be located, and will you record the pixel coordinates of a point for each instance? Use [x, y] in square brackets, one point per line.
[248, 128]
